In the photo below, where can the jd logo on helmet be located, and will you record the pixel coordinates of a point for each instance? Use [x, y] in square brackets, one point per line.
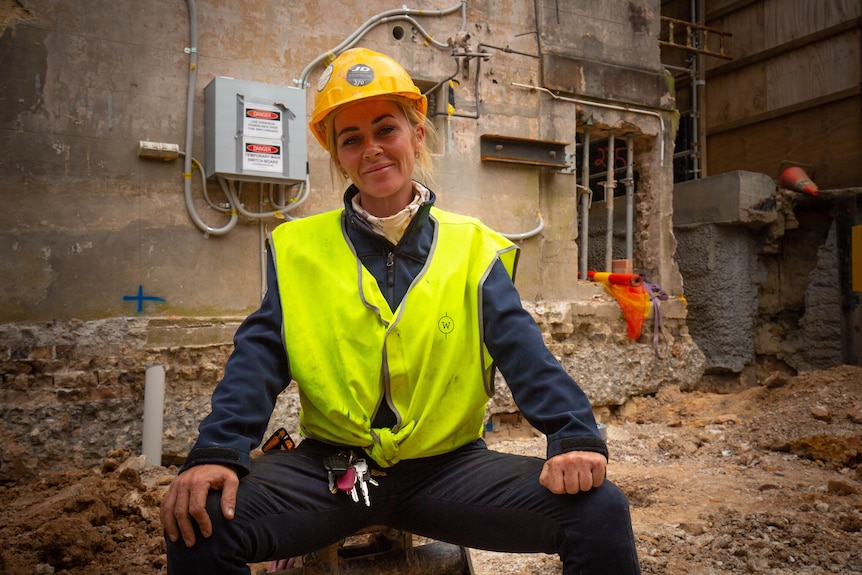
[360, 75]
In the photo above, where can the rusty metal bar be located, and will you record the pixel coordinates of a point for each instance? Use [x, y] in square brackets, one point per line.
[692, 31]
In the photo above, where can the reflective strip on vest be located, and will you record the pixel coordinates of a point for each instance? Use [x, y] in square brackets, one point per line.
[349, 351]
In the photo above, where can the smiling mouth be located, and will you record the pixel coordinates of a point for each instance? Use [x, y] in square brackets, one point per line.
[377, 169]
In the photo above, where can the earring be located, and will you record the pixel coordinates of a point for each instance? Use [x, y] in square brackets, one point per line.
[346, 177]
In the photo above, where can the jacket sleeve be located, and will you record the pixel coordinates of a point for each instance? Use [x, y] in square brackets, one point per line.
[547, 396]
[255, 374]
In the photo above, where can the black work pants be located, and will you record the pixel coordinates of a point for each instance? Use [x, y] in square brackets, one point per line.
[473, 497]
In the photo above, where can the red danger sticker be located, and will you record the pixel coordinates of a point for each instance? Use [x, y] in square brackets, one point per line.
[261, 114]
[262, 149]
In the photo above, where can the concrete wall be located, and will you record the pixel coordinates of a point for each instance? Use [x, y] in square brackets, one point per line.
[96, 244]
[718, 255]
[763, 275]
[85, 83]
[807, 314]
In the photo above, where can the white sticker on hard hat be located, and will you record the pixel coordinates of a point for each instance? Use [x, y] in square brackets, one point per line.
[324, 78]
[360, 75]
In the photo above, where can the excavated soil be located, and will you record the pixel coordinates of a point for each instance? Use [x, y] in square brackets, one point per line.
[765, 480]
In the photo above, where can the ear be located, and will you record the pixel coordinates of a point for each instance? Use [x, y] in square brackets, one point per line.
[420, 135]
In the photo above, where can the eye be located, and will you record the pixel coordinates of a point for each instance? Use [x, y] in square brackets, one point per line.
[348, 141]
[386, 130]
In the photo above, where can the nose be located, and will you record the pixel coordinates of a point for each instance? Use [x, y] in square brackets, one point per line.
[371, 150]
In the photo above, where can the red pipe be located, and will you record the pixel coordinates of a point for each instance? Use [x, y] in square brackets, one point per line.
[633, 280]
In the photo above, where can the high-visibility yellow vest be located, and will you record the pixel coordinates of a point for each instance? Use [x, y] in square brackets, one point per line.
[349, 351]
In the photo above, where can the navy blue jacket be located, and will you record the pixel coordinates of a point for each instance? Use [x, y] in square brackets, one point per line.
[258, 369]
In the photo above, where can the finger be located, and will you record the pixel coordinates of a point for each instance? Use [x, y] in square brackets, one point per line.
[599, 474]
[198, 511]
[573, 480]
[181, 512]
[166, 514]
[585, 479]
[228, 497]
[552, 481]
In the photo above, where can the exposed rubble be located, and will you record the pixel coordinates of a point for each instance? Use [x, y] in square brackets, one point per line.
[765, 480]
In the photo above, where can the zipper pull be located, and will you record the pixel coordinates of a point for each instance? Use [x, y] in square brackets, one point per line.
[390, 271]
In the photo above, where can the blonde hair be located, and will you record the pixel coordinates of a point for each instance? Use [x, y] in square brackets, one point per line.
[423, 169]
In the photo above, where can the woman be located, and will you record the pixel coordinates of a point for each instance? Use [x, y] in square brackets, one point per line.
[391, 315]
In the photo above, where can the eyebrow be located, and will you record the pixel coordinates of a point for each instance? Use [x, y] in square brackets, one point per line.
[376, 120]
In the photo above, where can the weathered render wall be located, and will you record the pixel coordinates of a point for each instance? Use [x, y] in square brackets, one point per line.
[764, 275]
[766, 295]
[720, 224]
[104, 271]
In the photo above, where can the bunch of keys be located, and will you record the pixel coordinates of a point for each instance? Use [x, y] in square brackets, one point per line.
[345, 473]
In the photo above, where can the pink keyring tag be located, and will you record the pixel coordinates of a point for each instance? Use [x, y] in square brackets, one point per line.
[348, 480]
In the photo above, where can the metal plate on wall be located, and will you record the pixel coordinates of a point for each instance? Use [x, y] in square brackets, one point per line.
[512, 150]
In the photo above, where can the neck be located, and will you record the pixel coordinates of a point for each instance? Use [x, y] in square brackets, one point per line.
[388, 206]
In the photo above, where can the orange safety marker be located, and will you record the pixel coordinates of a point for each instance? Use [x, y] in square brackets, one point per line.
[796, 179]
[631, 296]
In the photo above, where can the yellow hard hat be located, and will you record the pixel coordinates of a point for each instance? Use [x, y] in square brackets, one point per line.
[357, 74]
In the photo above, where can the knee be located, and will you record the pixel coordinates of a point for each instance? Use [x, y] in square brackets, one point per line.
[598, 513]
[608, 508]
[207, 552]
[600, 539]
[612, 499]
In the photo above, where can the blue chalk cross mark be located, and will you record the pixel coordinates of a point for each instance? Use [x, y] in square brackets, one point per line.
[141, 298]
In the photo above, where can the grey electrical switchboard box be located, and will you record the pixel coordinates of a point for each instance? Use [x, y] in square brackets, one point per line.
[255, 132]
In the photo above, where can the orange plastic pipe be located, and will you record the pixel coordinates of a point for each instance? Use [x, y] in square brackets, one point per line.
[633, 280]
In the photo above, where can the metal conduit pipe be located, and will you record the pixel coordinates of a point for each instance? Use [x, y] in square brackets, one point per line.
[284, 208]
[227, 187]
[400, 13]
[698, 97]
[480, 56]
[620, 108]
[525, 235]
[190, 108]
[630, 197]
[610, 184]
[585, 207]
[415, 24]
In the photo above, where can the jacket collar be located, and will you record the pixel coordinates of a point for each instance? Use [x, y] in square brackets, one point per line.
[419, 220]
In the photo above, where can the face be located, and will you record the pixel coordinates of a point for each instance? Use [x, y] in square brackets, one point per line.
[376, 146]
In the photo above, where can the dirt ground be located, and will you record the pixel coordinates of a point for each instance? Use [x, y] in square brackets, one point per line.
[766, 480]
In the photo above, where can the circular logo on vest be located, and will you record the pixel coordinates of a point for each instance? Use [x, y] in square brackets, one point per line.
[446, 324]
[360, 75]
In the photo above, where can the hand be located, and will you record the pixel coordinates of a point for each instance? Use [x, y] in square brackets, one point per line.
[573, 472]
[187, 496]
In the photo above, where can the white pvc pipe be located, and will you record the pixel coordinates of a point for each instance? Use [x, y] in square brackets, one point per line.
[154, 411]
